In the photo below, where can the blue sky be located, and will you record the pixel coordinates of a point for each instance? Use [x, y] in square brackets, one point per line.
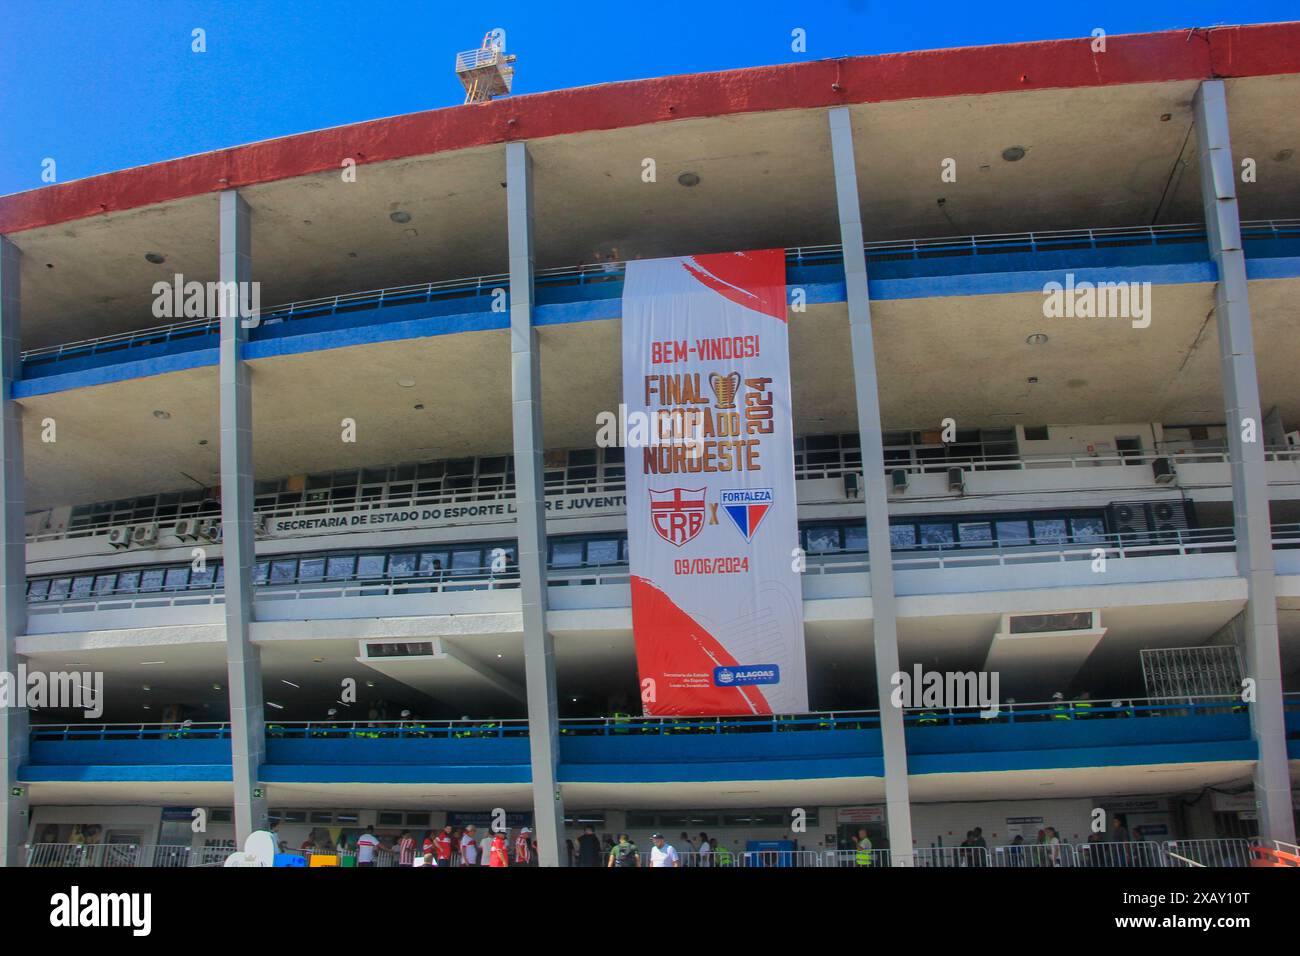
[100, 85]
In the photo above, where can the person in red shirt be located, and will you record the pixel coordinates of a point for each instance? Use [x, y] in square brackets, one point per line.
[406, 849]
[443, 847]
[498, 851]
[524, 847]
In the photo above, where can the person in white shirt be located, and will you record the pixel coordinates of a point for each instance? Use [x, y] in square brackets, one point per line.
[705, 850]
[485, 850]
[367, 843]
[662, 854]
[469, 846]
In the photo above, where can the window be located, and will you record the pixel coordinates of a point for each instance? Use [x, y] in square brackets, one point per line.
[604, 551]
[202, 579]
[902, 536]
[566, 554]
[128, 582]
[1050, 531]
[855, 537]
[340, 567]
[934, 535]
[284, 570]
[433, 562]
[466, 561]
[38, 590]
[59, 588]
[1088, 529]
[81, 585]
[372, 565]
[311, 569]
[975, 534]
[104, 584]
[176, 578]
[1013, 532]
[152, 580]
[260, 572]
[822, 540]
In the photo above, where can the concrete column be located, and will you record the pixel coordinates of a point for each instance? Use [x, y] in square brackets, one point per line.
[243, 660]
[13, 563]
[1246, 459]
[875, 491]
[530, 512]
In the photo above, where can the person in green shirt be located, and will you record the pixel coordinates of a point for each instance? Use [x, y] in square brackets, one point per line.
[624, 853]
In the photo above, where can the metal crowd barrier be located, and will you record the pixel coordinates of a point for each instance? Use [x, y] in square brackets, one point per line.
[949, 856]
[1221, 852]
[1120, 853]
[1025, 855]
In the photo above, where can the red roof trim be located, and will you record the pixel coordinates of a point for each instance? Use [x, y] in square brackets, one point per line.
[1139, 58]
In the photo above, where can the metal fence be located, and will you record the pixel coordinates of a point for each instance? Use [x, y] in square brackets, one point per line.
[1120, 853]
[950, 856]
[1221, 852]
[1030, 855]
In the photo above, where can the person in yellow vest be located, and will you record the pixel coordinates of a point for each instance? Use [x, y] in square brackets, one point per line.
[1060, 709]
[1083, 706]
[862, 852]
[721, 855]
[927, 717]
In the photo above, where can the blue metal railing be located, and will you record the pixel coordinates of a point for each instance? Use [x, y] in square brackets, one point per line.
[890, 250]
[487, 728]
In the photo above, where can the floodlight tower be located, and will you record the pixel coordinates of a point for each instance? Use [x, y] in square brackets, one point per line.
[487, 71]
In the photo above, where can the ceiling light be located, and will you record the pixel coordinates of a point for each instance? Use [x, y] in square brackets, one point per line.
[419, 406]
[400, 217]
[406, 382]
[689, 179]
[161, 415]
[1038, 338]
[145, 687]
[1013, 154]
[1166, 117]
[271, 703]
[157, 258]
[142, 663]
[499, 656]
[291, 684]
[318, 660]
[147, 707]
[216, 687]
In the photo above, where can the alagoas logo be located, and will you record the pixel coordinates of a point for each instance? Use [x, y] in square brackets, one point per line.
[747, 507]
[742, 676]
[677, 514]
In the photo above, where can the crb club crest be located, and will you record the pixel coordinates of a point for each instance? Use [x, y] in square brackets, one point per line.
[677, 514]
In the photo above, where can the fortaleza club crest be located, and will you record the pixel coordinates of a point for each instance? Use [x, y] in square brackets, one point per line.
[677, 514]
[747, 507]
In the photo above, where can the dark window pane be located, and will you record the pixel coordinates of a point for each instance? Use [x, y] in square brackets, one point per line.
[902, 536]
[1088, 529]
[936, 535]
[1013, 532]
[821, 540]
[177, 577]
[311, 569]
[855, 537]
[977, 534]
[283, 570]
[340, 567]
[128, 581]
[1050, 531]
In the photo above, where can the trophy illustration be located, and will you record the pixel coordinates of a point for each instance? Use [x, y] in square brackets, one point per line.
[725, 388]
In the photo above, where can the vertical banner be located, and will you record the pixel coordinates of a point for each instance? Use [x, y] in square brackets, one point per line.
[717, 605]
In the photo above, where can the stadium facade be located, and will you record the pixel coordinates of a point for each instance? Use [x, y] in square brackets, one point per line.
[362, 559]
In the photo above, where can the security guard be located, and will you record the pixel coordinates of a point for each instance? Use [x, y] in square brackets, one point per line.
[927, 717]
[721, 856]
[862, 854]
[1060, 709]
[1083, 706]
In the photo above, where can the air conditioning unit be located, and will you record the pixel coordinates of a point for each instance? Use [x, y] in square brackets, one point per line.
[120, 537]
[187, 529]
[956, 480]
[852, 484]
[1293, 441]
[209, 529]
[145, 534]
[1163, 469]
[261, 525]
[898, 480]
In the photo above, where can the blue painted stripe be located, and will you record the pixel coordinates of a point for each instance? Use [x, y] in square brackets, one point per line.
[104, 374]
[123, 773]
